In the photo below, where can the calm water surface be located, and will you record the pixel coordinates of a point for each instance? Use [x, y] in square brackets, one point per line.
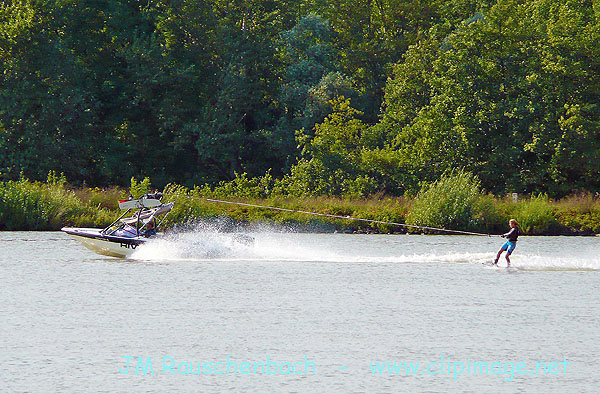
[328, 307]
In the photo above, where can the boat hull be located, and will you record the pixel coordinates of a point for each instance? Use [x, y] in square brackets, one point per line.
[102, 244]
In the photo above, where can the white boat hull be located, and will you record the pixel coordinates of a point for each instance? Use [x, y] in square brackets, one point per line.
[112, 246]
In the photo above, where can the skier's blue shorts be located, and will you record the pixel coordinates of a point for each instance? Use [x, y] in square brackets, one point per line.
[509, 246]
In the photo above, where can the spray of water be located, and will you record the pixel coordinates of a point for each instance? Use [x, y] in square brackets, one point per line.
[197, 241]
[217, 241]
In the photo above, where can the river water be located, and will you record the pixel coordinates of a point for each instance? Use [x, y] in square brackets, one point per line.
[300, 313]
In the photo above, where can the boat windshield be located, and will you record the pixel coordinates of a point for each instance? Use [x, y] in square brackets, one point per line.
[133, 225]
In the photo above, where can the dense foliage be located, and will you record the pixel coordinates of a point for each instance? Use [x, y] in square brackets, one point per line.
[324, 97]
[27, 205]
[450, 202]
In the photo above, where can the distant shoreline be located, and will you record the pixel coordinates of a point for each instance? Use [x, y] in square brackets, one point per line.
[354, 233]
[35, 206]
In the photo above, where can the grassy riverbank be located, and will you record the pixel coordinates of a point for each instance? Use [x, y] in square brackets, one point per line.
[26, 205]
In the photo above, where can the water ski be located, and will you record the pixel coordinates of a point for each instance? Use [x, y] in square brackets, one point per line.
[492, 264]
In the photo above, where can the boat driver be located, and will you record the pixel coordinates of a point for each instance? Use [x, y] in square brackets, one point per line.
[150, 230]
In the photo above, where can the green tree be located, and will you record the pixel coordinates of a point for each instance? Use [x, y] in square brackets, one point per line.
[309, 82]
[331, 160]
[486, 97]
[233, 136]
[47, 107]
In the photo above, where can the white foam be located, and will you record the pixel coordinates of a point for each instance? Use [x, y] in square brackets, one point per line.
[537, 262]
[207, 243]
[191, 246]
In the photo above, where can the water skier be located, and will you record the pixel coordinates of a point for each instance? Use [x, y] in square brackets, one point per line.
[511, 243]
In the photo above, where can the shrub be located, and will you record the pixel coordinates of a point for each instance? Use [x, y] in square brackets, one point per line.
[453, 202]
[579, 213]
[138, 189]
[242, 186]
[449, 202]
[359, 187]
[536, 216]
[491, 215]
[26, 205]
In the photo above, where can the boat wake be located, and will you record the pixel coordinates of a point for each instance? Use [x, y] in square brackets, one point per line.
[525, 262]
[208, 244]
[552, 263]
[193, 246]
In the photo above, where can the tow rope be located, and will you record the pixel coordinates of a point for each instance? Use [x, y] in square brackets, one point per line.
[350, 218]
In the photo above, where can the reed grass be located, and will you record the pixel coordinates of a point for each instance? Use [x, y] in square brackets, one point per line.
[26, 205]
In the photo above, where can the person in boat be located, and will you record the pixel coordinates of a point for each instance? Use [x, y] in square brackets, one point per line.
[127, 231]
[511, 243]
[150, 229]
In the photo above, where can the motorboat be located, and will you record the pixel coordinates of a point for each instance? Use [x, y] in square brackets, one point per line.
[133, 228]
[136, 226]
